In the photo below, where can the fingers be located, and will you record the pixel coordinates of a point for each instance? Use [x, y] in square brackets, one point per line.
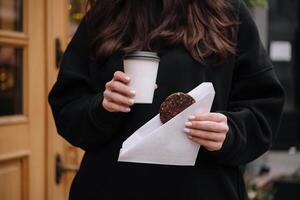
[121, 76]
[208, 130]
[210, 126]
[117, 95]
[215, 117]
[117, 98]
[119, 87]
[205, 135]
[119, 84]
[209, 145]
[113, 107]
[209, 140]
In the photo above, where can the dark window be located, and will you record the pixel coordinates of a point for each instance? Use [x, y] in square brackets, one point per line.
[11, 92]
[284, 39]
[11, 15]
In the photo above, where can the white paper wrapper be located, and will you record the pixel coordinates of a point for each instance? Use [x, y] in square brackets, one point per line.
[167, 144]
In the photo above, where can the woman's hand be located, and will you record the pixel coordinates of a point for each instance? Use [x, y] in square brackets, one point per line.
[117, 94]
[208, 130]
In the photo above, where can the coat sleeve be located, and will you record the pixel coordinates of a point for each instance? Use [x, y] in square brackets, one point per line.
[76, 104]
[256, 100]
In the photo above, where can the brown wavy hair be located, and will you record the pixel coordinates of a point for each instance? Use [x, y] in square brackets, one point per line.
[204, 27]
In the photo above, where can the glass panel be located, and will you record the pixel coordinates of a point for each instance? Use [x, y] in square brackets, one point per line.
[11, 92]
[11, 15]
[284, 29]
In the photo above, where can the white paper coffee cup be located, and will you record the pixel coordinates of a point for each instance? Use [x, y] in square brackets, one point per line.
[142, 67]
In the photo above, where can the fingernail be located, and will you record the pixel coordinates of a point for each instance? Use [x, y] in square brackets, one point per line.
[127, 110]
[188, 124]
[192, 117]
[132, 92]
[190, 137]
[131, 101]
[127, 78]
[186, 130]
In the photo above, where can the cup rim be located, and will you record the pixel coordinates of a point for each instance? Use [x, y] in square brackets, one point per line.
[145, 55]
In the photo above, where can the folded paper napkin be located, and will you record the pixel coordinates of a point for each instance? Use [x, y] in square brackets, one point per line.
[167, 144]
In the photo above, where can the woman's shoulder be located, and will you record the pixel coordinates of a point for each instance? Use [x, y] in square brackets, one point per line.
[240, 8]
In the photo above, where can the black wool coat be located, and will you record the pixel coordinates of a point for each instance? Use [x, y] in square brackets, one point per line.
[247, 92]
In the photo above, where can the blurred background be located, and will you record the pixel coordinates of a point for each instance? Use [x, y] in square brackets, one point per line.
[36, 164]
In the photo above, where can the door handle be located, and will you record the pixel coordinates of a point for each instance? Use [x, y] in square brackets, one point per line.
[61, 168]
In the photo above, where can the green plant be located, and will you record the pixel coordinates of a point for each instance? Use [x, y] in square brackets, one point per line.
[260, 3]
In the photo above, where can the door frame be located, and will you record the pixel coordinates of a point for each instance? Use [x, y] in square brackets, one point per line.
[56, 28]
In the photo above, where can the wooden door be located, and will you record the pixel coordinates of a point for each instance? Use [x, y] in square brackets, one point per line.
[59, 34]
[22, 100]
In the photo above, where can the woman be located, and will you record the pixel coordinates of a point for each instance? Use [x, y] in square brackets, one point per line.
[198, 41]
